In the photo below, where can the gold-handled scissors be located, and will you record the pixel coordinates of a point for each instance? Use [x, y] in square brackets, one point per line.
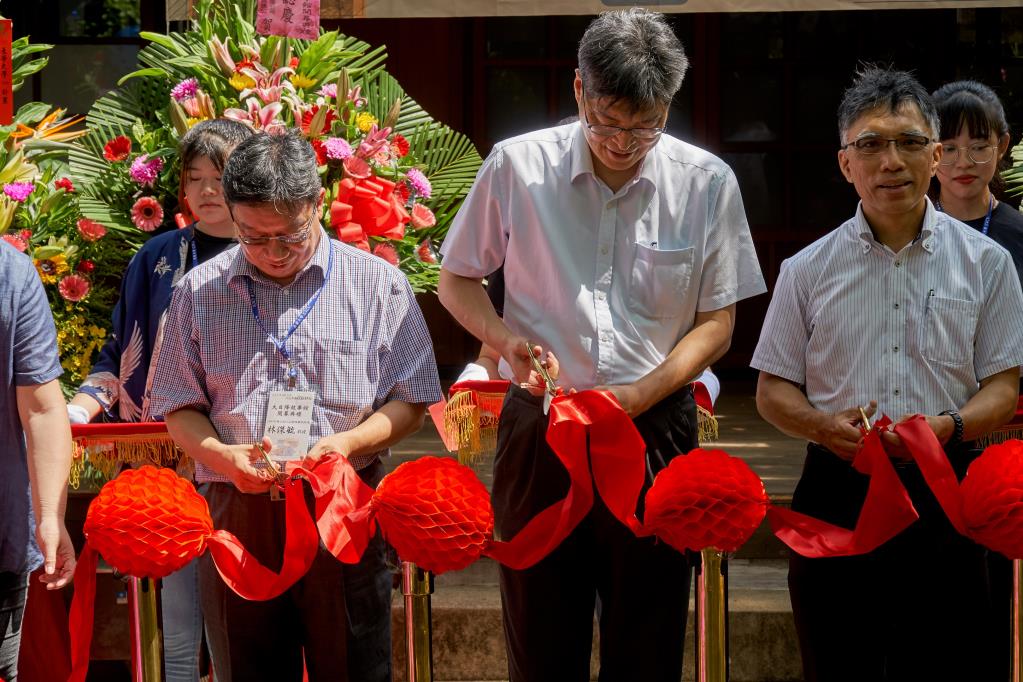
[865, 419]
[550, 389]
[279, 477]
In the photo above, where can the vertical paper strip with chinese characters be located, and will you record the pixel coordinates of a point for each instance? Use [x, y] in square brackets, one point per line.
[6, 89]
[291, 18]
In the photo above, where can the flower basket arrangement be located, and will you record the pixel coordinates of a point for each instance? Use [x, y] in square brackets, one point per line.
[79, 264]
[394, 177]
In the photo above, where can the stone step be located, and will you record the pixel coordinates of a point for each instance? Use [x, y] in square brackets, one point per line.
[468, 638]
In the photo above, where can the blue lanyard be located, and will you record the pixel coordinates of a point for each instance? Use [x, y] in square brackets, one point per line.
[987, 218]
[282, 344]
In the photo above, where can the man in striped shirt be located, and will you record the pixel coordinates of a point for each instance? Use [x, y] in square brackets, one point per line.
[901, 310]
[291, 312]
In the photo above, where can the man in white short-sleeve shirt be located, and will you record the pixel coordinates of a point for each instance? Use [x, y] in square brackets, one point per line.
[624, 251]
[901, 310]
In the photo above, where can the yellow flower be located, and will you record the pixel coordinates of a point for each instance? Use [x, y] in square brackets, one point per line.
[239, 81]
[192, 121]
[365, 121]
[50, 269]
[302, 82]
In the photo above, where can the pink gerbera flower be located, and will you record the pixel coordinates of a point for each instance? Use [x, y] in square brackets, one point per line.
[387, 252]
[147, 214]
[144, 170]
[419, 183]
[329, 90]
[90, 229]
[185, 89]
[422, 217]
[337, 148]
[15, 241]
[73, 287]
[19, 191]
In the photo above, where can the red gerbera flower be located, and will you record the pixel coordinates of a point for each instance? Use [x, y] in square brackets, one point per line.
[307, 118]
[64, 184]
[399, 145]
[73, 288]
[90, 229]
[387, 252]
[85, 266]
[321, 152]
[117, 149]
[147, 214]
[15, 241]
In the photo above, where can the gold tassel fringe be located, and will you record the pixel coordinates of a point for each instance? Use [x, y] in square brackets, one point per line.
[471, 417]
[707, 425]
[108, 454]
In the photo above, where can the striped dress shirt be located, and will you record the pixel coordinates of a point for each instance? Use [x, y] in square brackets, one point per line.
[917, 330]
[364, 344]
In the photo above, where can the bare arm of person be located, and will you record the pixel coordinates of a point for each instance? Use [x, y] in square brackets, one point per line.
[43, 416]
[784, 405]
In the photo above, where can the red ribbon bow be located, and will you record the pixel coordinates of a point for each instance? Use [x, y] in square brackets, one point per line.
[365, 208]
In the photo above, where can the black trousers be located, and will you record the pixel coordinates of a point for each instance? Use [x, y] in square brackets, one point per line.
[642, 584]
[920, 607]
[338, 615]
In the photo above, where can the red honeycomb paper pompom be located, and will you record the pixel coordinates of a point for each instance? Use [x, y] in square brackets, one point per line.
[435, 512]
[993, 498]
[148, 522]
[706, 499]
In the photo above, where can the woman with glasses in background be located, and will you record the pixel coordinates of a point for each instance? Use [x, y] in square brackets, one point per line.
[974, 138]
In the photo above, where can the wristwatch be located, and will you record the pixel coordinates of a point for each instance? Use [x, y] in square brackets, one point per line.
[957, 434]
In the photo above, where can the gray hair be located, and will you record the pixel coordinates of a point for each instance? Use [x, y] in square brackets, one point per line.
[879, 88]
[632, 55]
[272, 169]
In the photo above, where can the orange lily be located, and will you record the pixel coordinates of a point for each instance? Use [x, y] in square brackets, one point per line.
[50, 128]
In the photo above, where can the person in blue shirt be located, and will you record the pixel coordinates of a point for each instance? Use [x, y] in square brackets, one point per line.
[36, 454]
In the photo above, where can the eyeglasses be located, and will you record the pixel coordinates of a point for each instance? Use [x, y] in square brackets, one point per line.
[292, 239]
[601, 130]
[869, 145]
[980, 152]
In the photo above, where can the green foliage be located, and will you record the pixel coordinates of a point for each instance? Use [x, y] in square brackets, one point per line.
[273, 84]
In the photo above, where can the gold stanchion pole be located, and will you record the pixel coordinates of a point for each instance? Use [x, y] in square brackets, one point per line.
[1017, 620]
[711, 658]
[147, 635]
[417, 586]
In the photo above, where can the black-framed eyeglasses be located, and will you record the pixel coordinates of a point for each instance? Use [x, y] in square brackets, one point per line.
[979, 153]
[292, 239]
[601, 130]
[868, 145]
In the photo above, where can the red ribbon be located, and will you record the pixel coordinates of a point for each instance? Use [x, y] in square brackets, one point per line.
[887, 509]
[365, 208]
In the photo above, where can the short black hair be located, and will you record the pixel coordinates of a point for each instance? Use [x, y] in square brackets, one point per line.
[633, 56]
[213, 139]
[971, 106]
[277, 169]
[883, 88]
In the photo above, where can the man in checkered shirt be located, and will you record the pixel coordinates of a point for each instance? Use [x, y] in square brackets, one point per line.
[291, 309]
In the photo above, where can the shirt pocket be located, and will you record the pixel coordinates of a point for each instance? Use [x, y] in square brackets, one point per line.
[345, 375]
[948, 331]
[659, 280]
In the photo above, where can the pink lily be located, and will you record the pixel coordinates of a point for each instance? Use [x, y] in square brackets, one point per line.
[375, 139]
[221, 55]
[269, 87]
[259, 117]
